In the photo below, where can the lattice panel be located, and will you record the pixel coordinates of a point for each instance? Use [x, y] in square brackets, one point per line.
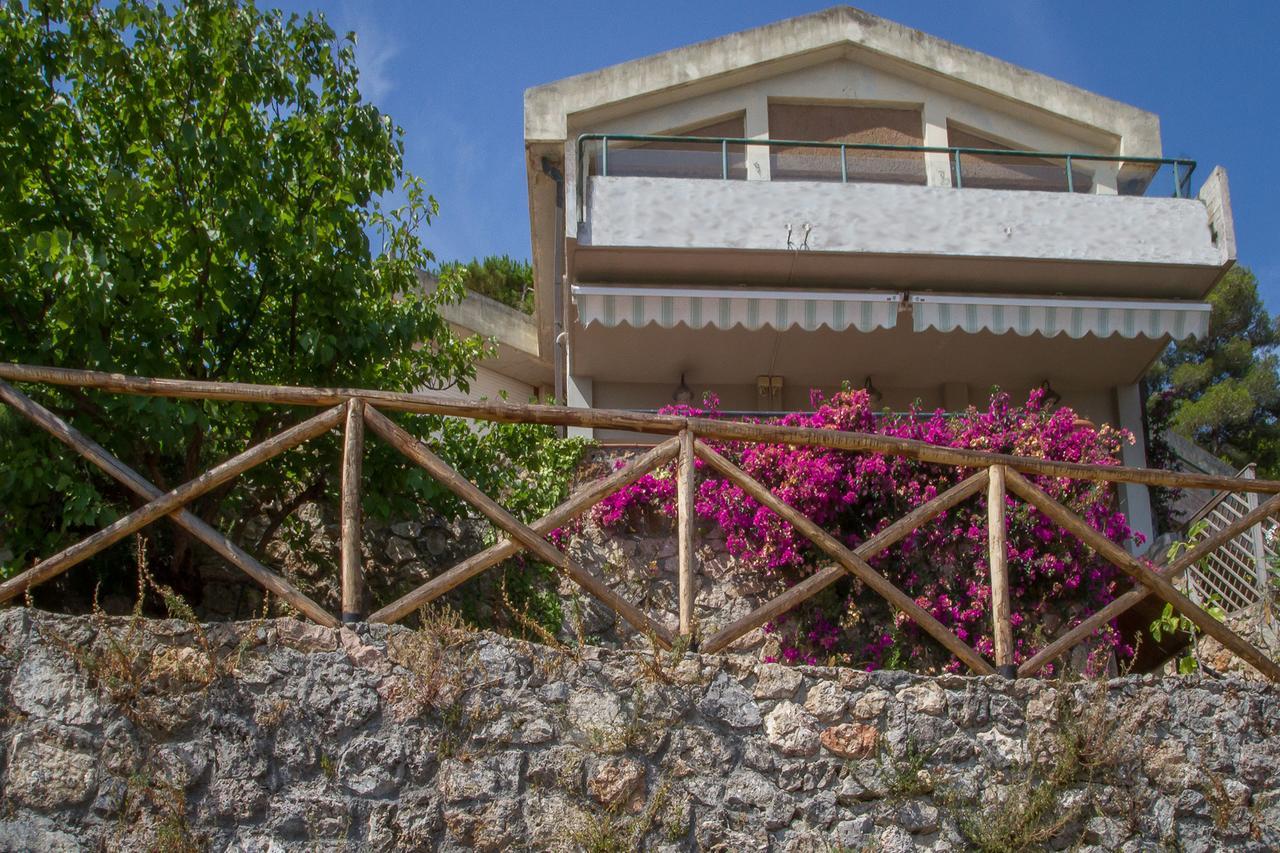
[1235, 575]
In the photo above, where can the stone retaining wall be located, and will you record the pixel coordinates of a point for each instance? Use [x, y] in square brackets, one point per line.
[274, 735]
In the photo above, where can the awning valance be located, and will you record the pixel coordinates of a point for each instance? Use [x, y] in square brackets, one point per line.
[723, 309]
[1074, 317]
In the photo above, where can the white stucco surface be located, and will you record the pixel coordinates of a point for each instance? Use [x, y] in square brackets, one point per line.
[882, 218]
[1135, 498]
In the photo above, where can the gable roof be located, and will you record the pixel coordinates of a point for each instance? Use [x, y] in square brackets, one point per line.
[838, 31]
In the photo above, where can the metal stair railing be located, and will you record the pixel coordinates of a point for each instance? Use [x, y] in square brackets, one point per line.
[1235, 576]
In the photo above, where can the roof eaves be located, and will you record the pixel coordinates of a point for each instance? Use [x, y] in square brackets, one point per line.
[548, 107]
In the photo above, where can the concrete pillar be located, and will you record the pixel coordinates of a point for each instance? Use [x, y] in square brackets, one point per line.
[579, 393]
[937, 167]
[756, 126]
[1105, 178]
[571, 187]
[1135, 500]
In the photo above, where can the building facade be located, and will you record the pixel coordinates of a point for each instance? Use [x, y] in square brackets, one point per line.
[838, 199]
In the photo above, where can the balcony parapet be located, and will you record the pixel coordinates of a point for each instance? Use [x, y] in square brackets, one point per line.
[730, 158]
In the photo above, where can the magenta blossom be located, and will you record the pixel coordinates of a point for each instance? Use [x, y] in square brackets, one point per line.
[943, 565]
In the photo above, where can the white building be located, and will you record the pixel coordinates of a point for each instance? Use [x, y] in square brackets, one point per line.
[846, 214]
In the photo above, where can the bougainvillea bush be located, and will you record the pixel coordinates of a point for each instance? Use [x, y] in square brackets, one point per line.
[1054, 579]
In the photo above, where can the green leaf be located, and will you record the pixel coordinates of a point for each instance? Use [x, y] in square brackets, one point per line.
[198, 203]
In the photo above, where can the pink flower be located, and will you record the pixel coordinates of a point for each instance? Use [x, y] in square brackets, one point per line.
[943, 565]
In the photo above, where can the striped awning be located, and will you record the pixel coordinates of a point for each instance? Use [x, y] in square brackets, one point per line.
[723, 309]
[1073, 317]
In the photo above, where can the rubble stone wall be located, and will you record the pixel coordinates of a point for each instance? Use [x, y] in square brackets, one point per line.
[278, 735]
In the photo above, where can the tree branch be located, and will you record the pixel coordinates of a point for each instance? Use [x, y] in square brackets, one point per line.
[310, 493]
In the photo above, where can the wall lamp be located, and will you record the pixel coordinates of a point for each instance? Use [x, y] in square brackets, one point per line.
[872, 391]
[683, 393]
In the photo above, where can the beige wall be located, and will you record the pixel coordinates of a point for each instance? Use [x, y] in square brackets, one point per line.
[491, 385]
[838, 122]
[1096, 404]
[845, 84]
[1021, 173]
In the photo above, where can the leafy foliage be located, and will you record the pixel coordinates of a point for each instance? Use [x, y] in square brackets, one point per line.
[195, 191]
[1170, 623]
[502, 278]
[526, 469]
[943, 565]
[1223, 391]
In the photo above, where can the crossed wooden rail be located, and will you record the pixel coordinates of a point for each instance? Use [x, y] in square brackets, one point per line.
[356, 409]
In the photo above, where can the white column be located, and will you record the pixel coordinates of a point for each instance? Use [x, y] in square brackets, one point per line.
[1135, 500]
[1105, 177]
[578, 394]
[756, 126]
[571, 167]
[937, 167]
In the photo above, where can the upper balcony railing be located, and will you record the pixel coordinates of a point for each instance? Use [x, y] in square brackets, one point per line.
[730, 158]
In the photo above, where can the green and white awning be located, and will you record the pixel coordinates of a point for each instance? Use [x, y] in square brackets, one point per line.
[1073, 317]
[723, 309]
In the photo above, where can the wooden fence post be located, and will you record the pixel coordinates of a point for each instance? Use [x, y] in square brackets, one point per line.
[997, 552]
[685, 523]
[352, 467]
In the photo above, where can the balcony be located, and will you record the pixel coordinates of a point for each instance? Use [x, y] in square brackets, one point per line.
[686, 210]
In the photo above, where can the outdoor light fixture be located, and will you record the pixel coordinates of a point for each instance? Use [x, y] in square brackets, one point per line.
[683, 393]
[1051, 397]
[872, 391]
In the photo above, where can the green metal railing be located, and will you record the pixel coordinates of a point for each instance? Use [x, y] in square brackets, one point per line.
[1182, 168]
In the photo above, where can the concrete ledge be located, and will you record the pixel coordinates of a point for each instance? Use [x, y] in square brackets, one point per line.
[677, 213]
[491, 318]
[723, 61]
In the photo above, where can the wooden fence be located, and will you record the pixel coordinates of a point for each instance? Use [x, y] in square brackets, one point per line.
[356, 410]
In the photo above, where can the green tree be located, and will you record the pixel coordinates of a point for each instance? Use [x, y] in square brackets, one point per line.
[1223, 391]
[196, 191]
[503, 278]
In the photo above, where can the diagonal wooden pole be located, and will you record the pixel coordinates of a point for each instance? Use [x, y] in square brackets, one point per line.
[823, 578]
[848, 560]
[575, 506]
[1128, 564]
[167, 503]
[130, 479]
[1140, 593]
[521, 532]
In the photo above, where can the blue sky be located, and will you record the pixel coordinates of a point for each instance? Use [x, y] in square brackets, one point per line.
[453, 75]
